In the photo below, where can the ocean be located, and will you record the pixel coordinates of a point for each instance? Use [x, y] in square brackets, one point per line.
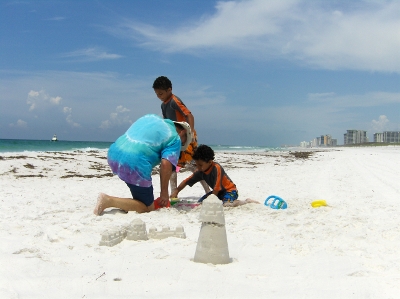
[20, 145]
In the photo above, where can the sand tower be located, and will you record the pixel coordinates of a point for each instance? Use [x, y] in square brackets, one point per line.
[137, 230]
[212, 245]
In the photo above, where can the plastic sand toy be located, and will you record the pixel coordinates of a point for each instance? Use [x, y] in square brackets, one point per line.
[318, 203]
[275, 202]
[158, 206]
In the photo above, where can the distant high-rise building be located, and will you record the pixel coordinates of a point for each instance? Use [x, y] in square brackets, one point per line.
[323, 140]
[391, 137]
[387, 137]
[355, 137]
[378, 137]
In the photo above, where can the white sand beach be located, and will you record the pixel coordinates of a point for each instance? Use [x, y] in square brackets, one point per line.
[348, 249]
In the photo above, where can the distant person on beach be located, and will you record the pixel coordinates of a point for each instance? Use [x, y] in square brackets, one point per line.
[215, 176]
[149, 141]
[174, 109]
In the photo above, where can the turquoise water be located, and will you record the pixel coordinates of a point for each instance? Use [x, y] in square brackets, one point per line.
[20, 145]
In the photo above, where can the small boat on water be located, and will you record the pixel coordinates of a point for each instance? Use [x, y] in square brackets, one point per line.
[54, 138]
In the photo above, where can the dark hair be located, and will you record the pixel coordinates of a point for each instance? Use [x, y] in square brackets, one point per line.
[179, 126]
[162, 83]
[204, 153]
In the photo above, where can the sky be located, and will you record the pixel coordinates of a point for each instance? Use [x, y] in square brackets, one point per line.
[253, 72]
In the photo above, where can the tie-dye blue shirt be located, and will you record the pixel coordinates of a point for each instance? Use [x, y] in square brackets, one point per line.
[147, 141]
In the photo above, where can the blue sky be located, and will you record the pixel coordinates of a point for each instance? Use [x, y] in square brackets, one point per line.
[252, 72]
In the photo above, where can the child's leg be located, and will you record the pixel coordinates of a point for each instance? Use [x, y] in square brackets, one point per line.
[231, 200]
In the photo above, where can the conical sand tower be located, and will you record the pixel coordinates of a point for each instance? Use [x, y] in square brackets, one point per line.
[212, 245]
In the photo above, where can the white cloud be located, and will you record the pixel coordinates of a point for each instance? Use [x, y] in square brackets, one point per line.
[361, 35]
[105, 124]
[118, 117]
[20, 124]
[55, 100]
[33, 93]
[67, 110]
[91, 54]
[41, 98]
[71, 122]
[121, 109]
[380, 124]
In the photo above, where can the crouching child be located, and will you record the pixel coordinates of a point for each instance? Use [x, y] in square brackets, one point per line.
[214, 175]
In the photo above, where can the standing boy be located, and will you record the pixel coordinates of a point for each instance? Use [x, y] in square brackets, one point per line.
[174, 109]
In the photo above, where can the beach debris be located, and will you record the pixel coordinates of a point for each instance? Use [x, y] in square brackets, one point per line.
[136, 231]
[167, 232]
[212, 245]
[301, 155]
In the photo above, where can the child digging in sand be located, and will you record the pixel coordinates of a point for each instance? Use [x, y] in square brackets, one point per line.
[149, 141]
[215, 176]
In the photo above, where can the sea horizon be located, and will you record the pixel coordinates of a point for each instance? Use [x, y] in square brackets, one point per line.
[23, 145]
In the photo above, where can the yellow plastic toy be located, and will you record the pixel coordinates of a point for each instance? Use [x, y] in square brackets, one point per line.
[318, 203]
[174, 201]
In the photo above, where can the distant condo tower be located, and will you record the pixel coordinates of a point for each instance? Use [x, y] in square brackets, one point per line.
[355, 136]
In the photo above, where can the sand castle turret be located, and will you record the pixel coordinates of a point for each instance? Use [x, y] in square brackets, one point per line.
[137, 230]
[212, 245]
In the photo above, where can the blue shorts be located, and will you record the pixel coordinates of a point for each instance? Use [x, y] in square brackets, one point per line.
[143, 194]
[227, 196]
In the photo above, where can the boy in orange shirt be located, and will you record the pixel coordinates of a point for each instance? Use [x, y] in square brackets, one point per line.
[174, 109]
[215, 176]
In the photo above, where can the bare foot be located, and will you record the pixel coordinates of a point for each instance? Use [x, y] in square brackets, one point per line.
[249, 200]
[101, 204]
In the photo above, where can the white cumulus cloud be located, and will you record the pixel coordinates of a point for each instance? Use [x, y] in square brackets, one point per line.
[380, 124]
[356, 35]
[119, 117]
[41, 98]
[19, 124]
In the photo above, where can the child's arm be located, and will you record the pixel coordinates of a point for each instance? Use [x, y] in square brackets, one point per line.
[174, 194]
[190, 120]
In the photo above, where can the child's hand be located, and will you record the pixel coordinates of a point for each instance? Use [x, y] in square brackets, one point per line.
[174, 194]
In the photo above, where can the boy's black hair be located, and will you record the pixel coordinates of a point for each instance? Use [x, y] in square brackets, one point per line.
[162, 83]
[204, 153]
[179, 126]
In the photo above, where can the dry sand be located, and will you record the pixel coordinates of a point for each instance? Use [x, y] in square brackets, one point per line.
[349, 249]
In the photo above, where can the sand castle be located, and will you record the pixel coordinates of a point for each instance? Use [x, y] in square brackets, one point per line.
[136, 231]
[212, 245]
[112, 237]
[167, 232]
